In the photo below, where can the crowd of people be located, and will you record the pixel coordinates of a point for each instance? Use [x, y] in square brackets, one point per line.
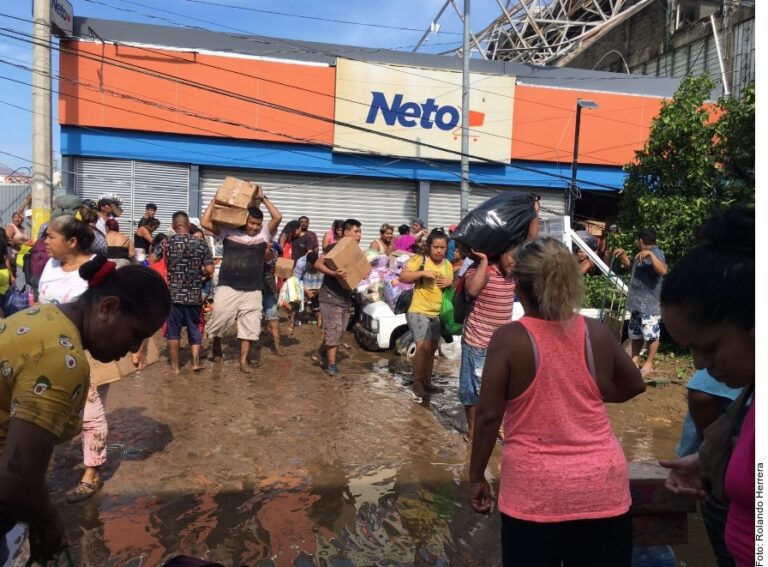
[540, 383]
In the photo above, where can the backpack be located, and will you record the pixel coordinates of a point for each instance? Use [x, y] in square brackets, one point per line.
[34, 263]
[462, 303]
[405, 299]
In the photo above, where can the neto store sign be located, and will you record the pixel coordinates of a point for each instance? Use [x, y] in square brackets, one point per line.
[422, 107]
[62, 17]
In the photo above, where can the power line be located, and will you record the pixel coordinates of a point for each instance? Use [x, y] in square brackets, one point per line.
[283, 108]
[166, 53]
[203, 117]
[302, 16]
[251, 38]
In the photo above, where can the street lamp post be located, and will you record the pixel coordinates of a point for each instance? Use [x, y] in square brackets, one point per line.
[572, 188]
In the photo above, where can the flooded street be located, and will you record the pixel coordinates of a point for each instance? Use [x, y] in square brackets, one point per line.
[288, 466]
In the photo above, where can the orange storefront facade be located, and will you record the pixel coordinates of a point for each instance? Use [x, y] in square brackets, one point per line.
[147, 110]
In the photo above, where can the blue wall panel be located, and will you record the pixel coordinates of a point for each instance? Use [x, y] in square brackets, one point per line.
[301, 158]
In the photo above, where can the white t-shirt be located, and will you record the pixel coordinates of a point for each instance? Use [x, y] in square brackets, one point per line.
[241, 237]
[57, 286]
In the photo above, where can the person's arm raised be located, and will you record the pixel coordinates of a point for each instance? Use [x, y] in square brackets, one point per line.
[207, 221]
[275, 215]
[477, 282]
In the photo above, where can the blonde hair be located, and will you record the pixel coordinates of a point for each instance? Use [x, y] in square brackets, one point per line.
[549, 275]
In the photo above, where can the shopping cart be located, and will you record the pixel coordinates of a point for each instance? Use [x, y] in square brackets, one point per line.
[613, 310]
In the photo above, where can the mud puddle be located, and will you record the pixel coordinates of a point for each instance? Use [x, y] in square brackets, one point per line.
[287, 466]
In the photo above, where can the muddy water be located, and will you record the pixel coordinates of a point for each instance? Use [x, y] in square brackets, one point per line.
[288, 466]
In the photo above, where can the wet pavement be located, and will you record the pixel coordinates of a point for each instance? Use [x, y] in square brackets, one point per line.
[288, 466]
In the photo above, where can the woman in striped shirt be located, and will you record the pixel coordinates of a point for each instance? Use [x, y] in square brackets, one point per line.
[491, 288]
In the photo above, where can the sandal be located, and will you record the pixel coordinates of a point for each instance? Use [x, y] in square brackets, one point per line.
[84, 490]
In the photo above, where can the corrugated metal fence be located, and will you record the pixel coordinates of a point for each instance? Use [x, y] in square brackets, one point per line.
[11, 198]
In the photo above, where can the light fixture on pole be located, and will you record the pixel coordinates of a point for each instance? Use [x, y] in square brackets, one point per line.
[573, 190]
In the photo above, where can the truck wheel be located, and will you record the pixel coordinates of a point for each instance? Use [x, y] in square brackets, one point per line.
[405, 345]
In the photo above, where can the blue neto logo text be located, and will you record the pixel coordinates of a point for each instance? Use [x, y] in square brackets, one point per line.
[411, 114]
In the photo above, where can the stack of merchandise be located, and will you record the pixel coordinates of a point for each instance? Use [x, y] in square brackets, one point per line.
[383, 283]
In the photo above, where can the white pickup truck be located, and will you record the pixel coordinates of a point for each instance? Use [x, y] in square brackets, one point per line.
[379, 328]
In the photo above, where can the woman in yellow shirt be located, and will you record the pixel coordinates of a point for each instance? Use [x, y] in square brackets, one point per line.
[430, 274]
[44, 378]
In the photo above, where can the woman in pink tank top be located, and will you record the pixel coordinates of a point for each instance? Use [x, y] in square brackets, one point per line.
[564, 491]
[708, 305]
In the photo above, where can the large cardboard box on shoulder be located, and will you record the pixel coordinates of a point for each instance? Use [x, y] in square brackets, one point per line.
[107, 372]
[347, 255]
[234, 192]
[284, 268]
[229, 217]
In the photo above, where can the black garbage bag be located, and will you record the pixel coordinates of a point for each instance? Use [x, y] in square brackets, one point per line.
[500, 221]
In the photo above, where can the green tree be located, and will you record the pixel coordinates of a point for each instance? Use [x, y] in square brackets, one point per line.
[699, 158]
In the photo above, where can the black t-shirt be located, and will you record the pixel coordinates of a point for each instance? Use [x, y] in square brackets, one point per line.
[242, 266]
[303, 244]
[332, 292]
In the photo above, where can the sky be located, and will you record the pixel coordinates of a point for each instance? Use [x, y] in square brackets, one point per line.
[387, 24]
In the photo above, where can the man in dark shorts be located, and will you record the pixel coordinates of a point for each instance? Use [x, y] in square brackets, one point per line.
[643, 301]
[335, 303]
[189, 260]
[305, 242]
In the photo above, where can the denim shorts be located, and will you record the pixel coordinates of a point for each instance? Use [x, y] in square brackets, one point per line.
[189, 316]
[269, 304]
[472, 362]
[423, 327]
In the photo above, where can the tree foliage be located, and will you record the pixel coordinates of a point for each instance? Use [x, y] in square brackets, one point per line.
[699, 158]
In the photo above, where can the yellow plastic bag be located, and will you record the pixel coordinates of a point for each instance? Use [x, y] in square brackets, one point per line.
[23, 251]
[5, 280]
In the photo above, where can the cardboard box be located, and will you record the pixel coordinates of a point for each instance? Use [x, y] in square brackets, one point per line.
[107, 372]
[595, 228]
[284, 268]
[347, 255]
[230, 217]
[235, 192]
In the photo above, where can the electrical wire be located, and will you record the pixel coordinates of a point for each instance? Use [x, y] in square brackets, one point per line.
[166, 54]
[283, 108]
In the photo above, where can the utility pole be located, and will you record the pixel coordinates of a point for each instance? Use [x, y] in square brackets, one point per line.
[465, 116]
[41, 116]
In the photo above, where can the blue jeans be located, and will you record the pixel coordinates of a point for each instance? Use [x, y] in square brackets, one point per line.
[472, 362]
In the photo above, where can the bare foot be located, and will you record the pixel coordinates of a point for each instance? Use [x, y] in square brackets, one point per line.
[175, 370]
[214, 358]
[244, 368]
[467, 439]
[198, 367]
[418, 389]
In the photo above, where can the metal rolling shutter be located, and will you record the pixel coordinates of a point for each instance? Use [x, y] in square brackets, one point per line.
[165, 184]
[444, 201]
[324, 198]
[94, 177]
[444, 205]
[136, 183]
